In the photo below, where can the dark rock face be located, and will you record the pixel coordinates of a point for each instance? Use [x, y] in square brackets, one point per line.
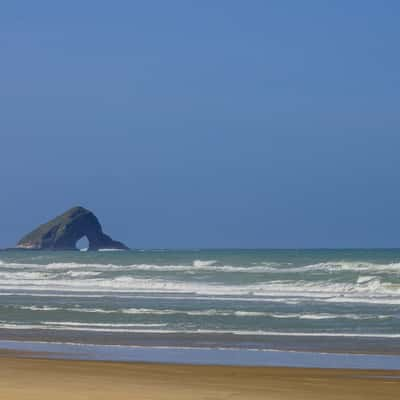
[64, 231]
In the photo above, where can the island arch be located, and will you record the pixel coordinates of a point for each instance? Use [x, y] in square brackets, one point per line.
[66, 230]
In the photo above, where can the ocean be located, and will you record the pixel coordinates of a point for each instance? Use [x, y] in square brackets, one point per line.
[340, 301]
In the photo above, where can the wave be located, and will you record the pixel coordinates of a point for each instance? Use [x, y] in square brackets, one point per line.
[299, 288]
[290, 300]
[108, 250]
[208, 312]
[201, 263]
[85, 327]
[36, 308]
[81, 274]
[91, 279]
[214, 266]
[103, 325]
[117, 329]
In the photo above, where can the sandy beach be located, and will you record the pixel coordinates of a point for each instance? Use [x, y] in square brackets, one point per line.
[24, 378]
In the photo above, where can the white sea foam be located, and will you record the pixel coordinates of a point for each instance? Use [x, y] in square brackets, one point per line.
[24, 276]
[291, 300]
[102, 325]
[201, 263]
[86, 328]
[299, 288]
[117, 329]
[207, 312]
[81, 274]
[96, 280]
[108, 250]
[366, 278]
[315, 316]
[214, 266]
[38, 308]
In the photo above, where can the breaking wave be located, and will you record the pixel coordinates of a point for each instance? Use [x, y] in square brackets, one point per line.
[208, 312]
[149, 329]
[193, 294]
[125, 283]
[215, 266]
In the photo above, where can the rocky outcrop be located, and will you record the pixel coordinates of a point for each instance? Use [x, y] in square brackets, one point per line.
[64, 231]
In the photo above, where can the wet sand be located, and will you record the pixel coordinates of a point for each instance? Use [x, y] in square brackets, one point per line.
[24, 378]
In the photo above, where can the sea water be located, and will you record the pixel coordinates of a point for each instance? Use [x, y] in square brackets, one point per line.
[303, 300]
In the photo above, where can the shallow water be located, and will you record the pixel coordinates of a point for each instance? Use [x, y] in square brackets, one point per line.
[239, 357]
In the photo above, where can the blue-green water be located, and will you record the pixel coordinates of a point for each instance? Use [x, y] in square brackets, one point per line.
[209, 298]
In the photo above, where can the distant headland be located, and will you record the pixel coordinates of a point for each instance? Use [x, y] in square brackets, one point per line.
[64, 231]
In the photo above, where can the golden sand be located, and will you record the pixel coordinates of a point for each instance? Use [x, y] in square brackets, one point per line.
[42, 379]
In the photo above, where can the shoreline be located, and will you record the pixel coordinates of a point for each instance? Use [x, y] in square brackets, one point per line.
[229, 357]
[26, 378]
[320, 344]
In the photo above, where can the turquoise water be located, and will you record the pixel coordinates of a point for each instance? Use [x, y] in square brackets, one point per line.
[284, 299]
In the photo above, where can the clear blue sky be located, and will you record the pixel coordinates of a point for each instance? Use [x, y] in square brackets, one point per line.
[203, 123]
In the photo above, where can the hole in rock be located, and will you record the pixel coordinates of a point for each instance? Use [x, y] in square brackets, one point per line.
[82, 244]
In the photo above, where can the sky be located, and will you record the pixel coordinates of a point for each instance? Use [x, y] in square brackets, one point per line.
[202, 124]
